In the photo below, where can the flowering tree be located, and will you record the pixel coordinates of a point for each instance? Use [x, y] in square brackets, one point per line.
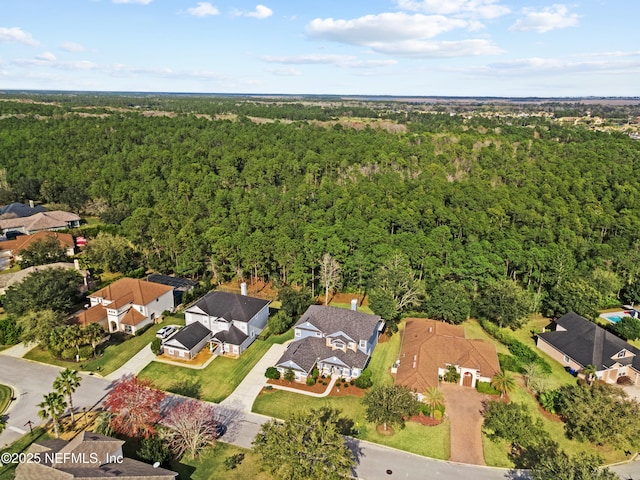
[191, 426]
[135, 406]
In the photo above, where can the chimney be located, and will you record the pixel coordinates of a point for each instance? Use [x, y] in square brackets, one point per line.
[354, 304]
[243, 288]
[31, 203]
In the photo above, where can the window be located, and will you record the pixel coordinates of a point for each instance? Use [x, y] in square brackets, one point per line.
[318, 334]
[622, 353]
[182, 353]
[298, 333]
[567, 359]
[351, 345]
[170, 351]
[363, 344]
[338, 344]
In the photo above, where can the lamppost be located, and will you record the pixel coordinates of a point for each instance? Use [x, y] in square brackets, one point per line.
[30, 423]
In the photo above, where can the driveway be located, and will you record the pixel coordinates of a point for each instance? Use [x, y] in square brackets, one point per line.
[464, 406]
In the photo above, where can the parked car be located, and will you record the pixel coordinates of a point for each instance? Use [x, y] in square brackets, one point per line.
[166, 332]
[220, 430]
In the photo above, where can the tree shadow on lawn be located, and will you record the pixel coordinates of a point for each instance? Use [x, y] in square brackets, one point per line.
[187, 388]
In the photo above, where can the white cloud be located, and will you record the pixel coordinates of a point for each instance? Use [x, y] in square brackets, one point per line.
[385, 27]
[549, 18]
[47, 57]
[427, 49]
[140, 2]
[345, 61]
[260, 12]
[471, 8]
[285, 72]
[203, 9]
[73, 47]
[17, 35]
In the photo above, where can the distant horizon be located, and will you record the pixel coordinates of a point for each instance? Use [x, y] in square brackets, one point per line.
[316, 95]
[394, 48]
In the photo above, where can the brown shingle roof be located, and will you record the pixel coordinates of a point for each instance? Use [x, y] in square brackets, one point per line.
[428, 345]
[130, 290]
[25, 241]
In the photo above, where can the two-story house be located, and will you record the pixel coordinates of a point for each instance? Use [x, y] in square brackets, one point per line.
[335, 340]
[234, 319]
[127, 305]
[55, 220]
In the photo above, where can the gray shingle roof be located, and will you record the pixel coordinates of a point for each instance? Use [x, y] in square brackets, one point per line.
[589, 344]
[230, 306]
[306, 352]
[19, 210]
[233, 336]
[357, 325]
[190, 336]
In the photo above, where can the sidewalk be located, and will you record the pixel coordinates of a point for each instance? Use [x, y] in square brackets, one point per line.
[18, 351]
[244, 395]
[327, 391]
[140, 360]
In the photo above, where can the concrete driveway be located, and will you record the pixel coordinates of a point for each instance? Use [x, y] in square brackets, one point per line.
[464, 408]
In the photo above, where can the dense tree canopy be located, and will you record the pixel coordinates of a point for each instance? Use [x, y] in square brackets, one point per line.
[464, 199]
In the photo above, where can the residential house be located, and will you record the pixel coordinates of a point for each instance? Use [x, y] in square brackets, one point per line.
[335, 340]
[430, 347]
[11, 248]
[188, 342]
[234, 319]
[15, 210]
[56, 220]
[180, 285]
[576, 342]
[89, 456]
[127, 305]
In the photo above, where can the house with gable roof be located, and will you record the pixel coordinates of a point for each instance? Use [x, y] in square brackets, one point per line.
[13, 248]
[127, 305]
[335, 340]
[89, 456]
[55, 220]
[188, 342]
[576, 342]
[235, 320]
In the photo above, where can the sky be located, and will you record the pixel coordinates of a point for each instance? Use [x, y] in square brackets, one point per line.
[505, 48]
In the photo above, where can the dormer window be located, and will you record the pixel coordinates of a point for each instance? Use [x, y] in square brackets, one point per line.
[338, 344]
[363, 344]
[622, 353]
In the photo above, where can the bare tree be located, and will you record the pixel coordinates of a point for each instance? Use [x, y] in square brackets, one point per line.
[191, 426]
[329, 275]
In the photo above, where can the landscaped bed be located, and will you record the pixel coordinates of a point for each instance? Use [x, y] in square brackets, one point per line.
[5, 397]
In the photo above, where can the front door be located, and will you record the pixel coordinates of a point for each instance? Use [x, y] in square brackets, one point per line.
[467, 379]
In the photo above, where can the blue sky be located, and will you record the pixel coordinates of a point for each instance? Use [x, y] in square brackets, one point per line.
[366, 47]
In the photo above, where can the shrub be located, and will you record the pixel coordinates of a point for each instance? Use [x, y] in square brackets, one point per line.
[233, 461]
[346, 385]
[352, 382]
[272, 373]
[311, 381]
[156, 346]
[69, 354]
[509, 362]
[289, 375]
[486, 388]
[425, 409]
[143, 329]
[269, 387]
[315, 373]
[279, 323]
[86, 352]
[364, 380]
[437, 414]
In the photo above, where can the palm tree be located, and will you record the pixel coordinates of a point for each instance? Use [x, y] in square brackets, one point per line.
[589, 373]
[504, 382]
[52, 408]
[66, 383]
[451, 375]
[434, 398]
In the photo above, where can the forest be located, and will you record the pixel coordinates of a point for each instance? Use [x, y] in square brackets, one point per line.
[238, 188]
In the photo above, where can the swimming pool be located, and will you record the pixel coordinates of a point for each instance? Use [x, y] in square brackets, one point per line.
[615, 317]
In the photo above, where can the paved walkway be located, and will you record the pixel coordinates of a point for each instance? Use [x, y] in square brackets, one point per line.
[199, 366]
[135, 365]
[244, 395]
[327, 391]
[18, 351]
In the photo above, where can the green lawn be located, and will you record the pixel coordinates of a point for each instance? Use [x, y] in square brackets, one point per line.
[384, 356]
[5, 397]
[215, 382]
[210, 465]
[428, 441]
[115, 354]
